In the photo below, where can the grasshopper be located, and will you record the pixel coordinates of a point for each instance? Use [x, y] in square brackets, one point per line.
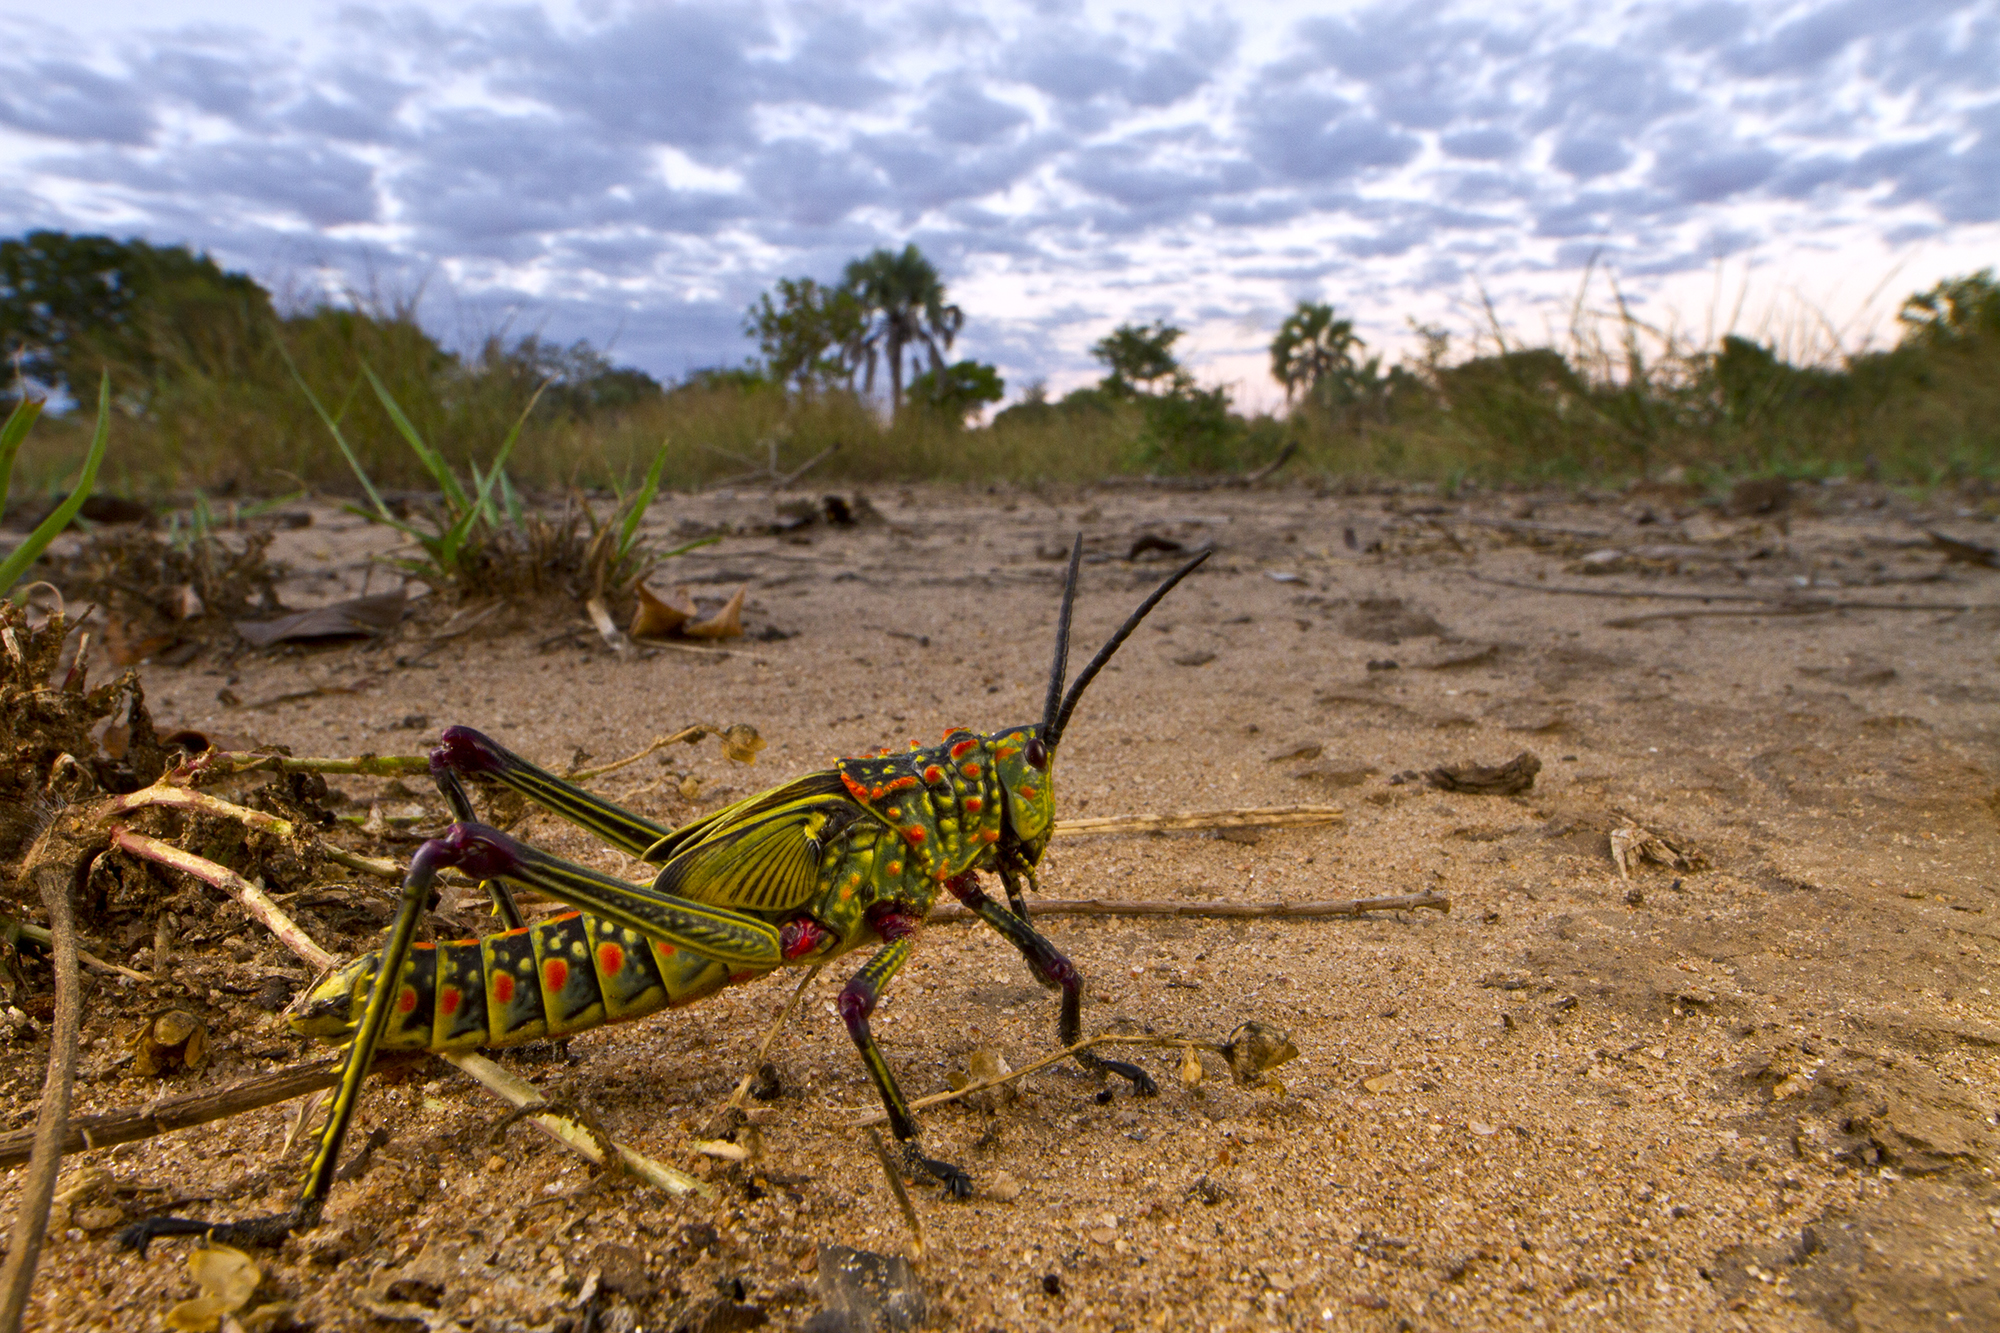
[847, 858]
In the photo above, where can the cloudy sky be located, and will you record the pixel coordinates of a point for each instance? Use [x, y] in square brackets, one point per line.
[637, 173]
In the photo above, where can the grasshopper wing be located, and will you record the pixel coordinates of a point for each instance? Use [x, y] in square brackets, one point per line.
[759, 855]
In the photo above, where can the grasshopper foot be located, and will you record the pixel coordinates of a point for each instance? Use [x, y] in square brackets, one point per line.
[956, 1183]
[1142, 1082]
[262, 1232]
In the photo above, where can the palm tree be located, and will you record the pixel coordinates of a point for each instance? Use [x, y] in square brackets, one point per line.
[903, 307]
[1312, 346]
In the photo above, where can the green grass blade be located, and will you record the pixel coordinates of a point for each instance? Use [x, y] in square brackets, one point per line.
[433, 461]
[19, 422]
[333, 427]
[641, 502]
[499, 467]
[26, 553]
[511, 498]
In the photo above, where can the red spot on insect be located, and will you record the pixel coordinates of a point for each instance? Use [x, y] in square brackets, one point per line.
[1029, 793]
[933, 775]
[503, 986]
[448, 1001]
[989, 835]
[964, 748]
[903, 783]
[970, 770]
[855, 789]
[407, 1001]
[610, 959]
[973, 805]
[555, 974]
[915, 744]
[566, 916]
[518, 930]
[1007, 752]
[914, 835]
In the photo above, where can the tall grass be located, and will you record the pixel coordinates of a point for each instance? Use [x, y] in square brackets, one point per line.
[1610, 399]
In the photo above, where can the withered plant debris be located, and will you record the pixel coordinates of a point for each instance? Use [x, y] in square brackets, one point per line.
[158, 594]
[1964, 552]
[356, 618]
[678, 615]
[1631, 844]
[1509, 779]
[170, 1042]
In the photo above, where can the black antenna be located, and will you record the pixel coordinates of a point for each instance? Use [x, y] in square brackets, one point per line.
[1061, 665]
[1052, 734]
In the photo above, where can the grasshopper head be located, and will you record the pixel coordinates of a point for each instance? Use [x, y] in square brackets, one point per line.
[330, 1011]
[1023, 762]
[1026, 756]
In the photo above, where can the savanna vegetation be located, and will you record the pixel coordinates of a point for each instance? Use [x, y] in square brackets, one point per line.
[216, 386]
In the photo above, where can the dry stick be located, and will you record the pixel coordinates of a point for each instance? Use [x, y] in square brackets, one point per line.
[488, 1074]
[42, 936]
[254, 899]
[1275, 816]
[1761, 613]
[780, 482]
[167, 1114]
[1066, 1053]
[31, 1220]
[1280, 910]
[519, 1093]
[902, 1194]
[367, 765]
[688, 735]
[770, 1036]
[1782, 598]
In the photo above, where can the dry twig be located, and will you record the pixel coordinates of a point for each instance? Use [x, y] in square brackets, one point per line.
[1280, 910]
[53, 876]
[1274, 816]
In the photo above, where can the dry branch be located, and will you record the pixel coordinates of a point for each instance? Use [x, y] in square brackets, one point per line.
[1272, 910]
[168, 1114]
[1788, 601]
[53, 876]
[254, 899]
[1274, 816]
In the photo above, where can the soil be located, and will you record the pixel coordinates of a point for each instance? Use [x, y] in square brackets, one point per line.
[1758, 1093]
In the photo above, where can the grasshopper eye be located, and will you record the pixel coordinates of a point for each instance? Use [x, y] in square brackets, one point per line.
[1036, 753]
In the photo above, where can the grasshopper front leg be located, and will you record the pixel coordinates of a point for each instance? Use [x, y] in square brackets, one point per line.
[1051, 968]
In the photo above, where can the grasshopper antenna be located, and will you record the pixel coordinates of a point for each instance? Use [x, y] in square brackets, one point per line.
[1053, 734]
[1060, 666]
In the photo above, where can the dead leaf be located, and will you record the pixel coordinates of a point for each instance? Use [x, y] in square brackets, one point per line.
[1965, 552]
[724, 624]
[1309, 750]
[741, 742]
[607, 629]
[170, 1041]
[1190, 1067]
[1509, 779]
[357, 617]
[184, 603]
[658, 617]
[228, 1279]
[1631, 844]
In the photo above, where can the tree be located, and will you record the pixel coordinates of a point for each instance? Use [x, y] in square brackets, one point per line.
[1955, 312]
[808, 335]
[903, 307]
[1141, 357]
[71, 304]
[959, 390]
[1313, 356]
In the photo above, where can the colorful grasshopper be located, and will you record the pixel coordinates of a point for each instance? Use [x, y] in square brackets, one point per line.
[823, 865]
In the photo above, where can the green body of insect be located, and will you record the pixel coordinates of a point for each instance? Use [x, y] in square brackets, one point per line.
[851, 857]
[812, 859]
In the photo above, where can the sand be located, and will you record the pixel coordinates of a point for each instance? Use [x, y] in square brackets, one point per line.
[1756, 1094]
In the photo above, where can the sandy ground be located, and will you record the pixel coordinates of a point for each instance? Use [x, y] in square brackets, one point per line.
[1756, 1095]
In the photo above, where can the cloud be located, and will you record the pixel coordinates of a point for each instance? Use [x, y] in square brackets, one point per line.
[652, 167]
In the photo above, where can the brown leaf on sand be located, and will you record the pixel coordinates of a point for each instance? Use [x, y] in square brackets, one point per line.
[724, 624]
[658, 617]
[1509, 779]
[1631, 844]
[358, 617]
